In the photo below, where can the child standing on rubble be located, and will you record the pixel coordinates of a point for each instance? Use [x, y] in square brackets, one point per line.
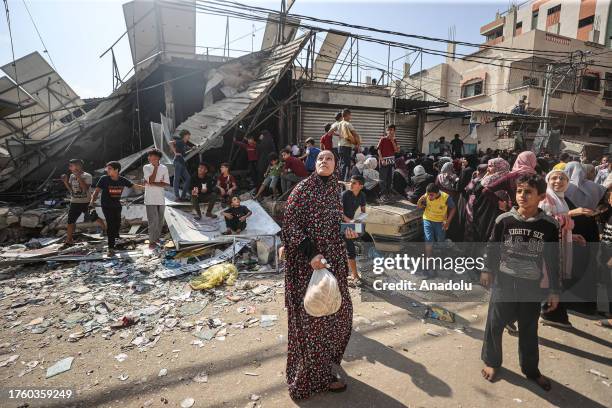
[156, 179]
[523, 241]
[226, 183]
[235, 217]
[78, 185]
[112, 186]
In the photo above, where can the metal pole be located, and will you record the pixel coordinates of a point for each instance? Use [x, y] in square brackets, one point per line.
[546, 99]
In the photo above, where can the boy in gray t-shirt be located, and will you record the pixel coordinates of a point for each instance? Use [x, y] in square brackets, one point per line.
[78, 186]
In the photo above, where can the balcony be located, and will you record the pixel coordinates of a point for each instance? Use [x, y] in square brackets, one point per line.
[487, 28]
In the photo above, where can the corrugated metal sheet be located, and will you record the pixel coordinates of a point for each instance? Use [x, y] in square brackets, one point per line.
[45, 86]
[208, 126]
[369, 123]
[406, 131]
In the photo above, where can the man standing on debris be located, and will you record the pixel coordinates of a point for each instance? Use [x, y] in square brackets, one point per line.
[112, 186]
[387, 147]
[349, 140]
[353, 199]
[179, 147]
[156, 179]
[311, 232]
[203, 191]
[251, 149]
[78, 186]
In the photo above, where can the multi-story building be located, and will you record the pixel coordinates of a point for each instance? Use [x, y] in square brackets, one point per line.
[565, 36]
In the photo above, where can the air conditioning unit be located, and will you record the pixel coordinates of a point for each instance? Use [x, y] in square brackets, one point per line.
[594, 36]
[554, 29]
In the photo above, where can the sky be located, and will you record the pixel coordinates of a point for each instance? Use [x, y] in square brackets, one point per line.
[77, 32]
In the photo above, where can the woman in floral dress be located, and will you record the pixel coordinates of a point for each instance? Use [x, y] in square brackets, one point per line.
[311, 232]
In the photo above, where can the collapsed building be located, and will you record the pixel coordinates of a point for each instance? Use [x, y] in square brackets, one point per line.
[285, 88]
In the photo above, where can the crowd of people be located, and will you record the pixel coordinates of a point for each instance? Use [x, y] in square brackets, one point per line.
[555, 210]
[558, 208]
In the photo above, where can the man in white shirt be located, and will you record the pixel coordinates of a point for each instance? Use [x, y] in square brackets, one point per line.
[156, 179]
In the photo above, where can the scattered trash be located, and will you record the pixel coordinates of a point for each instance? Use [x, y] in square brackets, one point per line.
[201, 378]
[597, 373]
[123, 377]
[433, 333]
[438, 313]
[187, 403]
[517, 400]
[251, 374]
[215, 276]
[10, 360]
[60, 367]
[254, 397]
[121, 357]
[163, 372]
[268, 320]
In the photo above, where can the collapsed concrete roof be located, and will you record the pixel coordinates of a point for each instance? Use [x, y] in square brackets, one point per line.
[209, 125]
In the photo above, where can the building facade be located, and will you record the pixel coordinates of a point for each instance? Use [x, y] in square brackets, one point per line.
[528, 40]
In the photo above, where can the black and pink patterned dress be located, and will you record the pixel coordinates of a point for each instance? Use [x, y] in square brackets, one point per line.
[311, 226]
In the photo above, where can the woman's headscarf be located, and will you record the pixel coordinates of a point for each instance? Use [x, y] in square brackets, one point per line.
[419, 170]
[360, 160]
[554, 203]
[608, 182]
[447, 177]
[582, 192]
[500, 169]
[555, 206]
[525, 163]
[370, 163]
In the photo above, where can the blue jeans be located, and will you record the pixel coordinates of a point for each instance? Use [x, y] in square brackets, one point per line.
[346, 152]
[433, 231]
[180, 171]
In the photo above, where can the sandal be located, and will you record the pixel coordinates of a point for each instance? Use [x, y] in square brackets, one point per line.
[341, 388]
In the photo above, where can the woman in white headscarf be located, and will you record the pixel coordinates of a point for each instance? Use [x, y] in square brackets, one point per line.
[372, 178]
[357, 169]
[555, 205]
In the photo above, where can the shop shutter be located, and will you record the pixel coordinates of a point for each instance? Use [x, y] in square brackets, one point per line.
[370, 124]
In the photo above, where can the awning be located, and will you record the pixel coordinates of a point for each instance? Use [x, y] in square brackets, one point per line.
[411, 105]
[209, 125]
[487, 116]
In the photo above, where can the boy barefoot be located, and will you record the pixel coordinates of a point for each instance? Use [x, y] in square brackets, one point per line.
[522, 241]
[235, 217]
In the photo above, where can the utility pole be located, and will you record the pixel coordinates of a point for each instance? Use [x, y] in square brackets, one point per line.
[564, 70]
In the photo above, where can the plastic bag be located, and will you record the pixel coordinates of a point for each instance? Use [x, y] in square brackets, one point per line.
[323, 294]
[214, 276]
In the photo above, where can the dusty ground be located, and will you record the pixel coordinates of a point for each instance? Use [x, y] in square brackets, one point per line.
[391, 361]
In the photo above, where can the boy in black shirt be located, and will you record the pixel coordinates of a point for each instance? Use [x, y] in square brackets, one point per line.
[235, 217]
[112, 186]
[203, 190]
[522, 241]
[352, 200]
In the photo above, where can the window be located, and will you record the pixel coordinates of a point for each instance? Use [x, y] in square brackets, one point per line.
[530, 81]
[473, 88]
[519, 25]
[554, 10]
[534, 20]
[518, 28]
[608, 86]
[587, 21]
[590, 82]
